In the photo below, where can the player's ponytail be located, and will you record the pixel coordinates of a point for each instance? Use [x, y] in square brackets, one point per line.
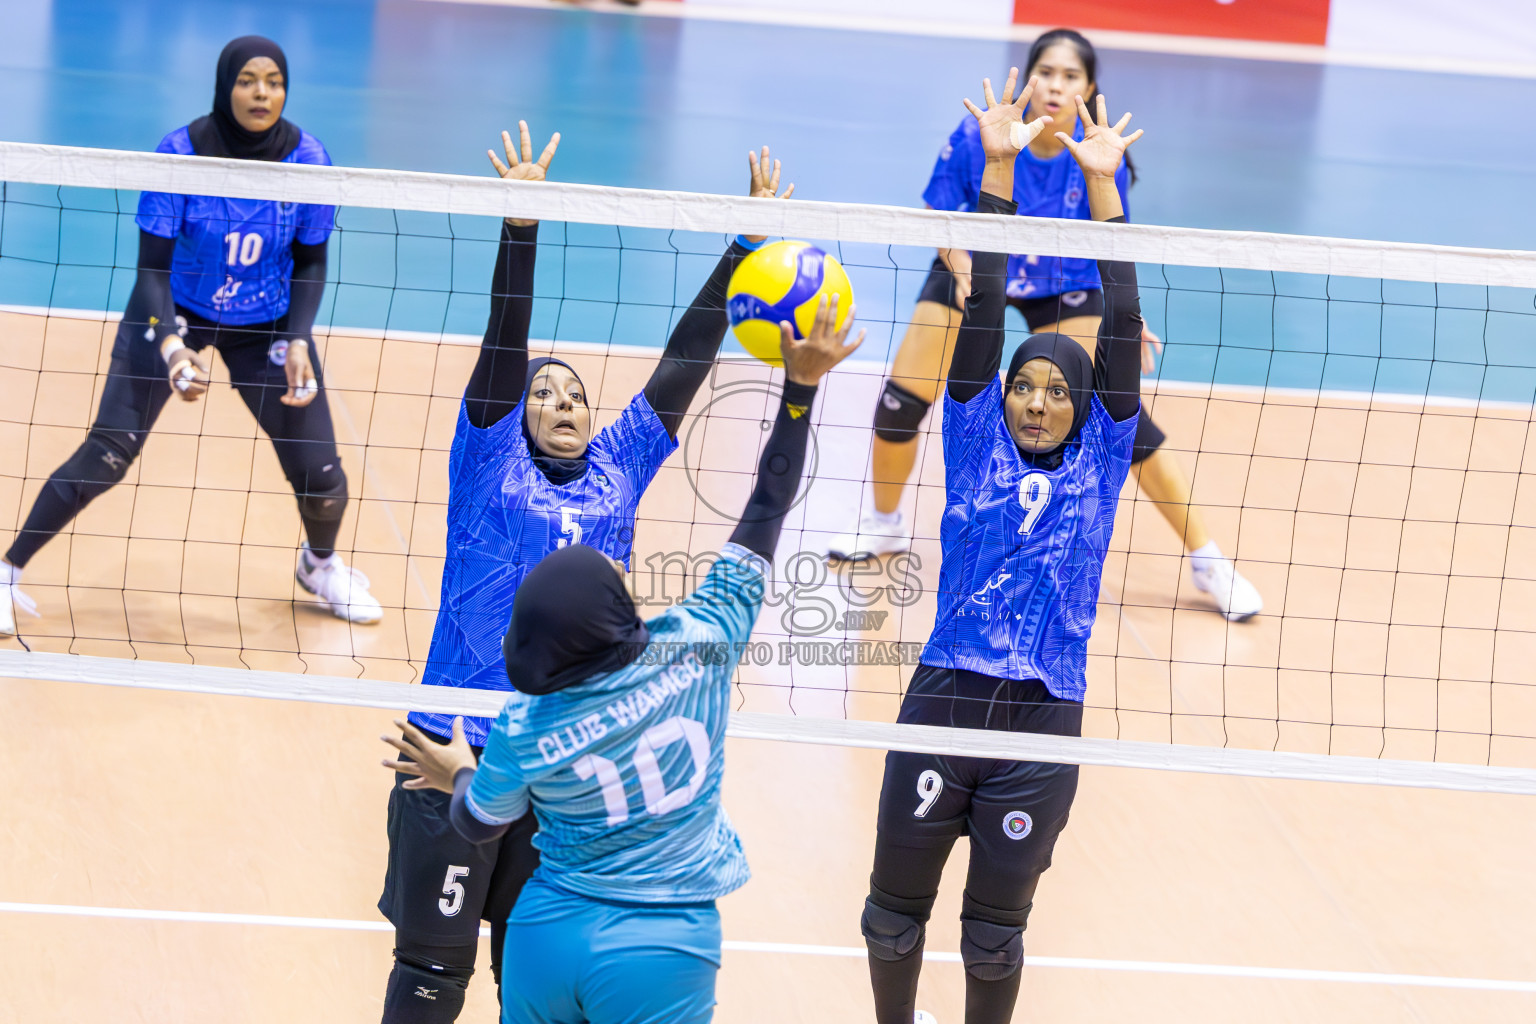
[1085, 53]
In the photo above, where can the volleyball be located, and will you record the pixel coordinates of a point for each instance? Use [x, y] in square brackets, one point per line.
[779, 282]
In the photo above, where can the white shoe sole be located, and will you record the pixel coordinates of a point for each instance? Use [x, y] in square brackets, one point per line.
[345, 612]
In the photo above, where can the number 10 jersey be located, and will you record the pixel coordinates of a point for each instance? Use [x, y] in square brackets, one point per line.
[504, 515]
[623, 769]
[1023, 547]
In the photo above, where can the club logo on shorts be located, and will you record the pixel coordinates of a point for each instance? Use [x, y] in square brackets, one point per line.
[1017, 825]
[1074, 299]
[278, 353]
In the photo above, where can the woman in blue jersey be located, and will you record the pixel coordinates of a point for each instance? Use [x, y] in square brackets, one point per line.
[526, 476]
[1054, 295]
[1033, 466]
[245, 277]
[616, 741]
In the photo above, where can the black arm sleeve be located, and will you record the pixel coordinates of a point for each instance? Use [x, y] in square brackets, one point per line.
[464, 823]
[1117, 363]
[693, 346]
[496, 384]
[979, 345]
[307, 285]
[778, 473]
[151, 302]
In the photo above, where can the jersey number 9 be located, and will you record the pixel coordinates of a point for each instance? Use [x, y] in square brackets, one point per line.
[1034, 495]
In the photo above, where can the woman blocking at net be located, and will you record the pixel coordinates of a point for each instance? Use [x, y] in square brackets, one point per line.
[1033, 470]
[615, 742]
[245, 277]
[527, 476]
[1054, 295]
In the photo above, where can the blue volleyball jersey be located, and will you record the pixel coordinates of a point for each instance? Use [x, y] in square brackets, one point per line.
[234, 257]
[1023, 548]
[623, 769]
[1042, 188]
[504, 515]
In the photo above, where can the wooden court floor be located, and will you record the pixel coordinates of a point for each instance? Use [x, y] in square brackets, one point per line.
[1395, 546]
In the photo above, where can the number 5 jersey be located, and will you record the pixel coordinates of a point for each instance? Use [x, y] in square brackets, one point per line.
[1023, 547]
[504, 515]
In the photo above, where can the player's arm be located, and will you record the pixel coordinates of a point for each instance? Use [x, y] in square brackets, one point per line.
[306, 286]
[1117, 369]
[695, 341]
[979, 342]
[496, 383]
[779, 468]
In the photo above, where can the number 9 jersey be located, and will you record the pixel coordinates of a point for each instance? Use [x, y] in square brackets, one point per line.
[234, 257]
[623, 769]
[1023, 547]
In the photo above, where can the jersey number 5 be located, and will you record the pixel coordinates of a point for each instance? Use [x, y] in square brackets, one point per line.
[1034, 495]
[570, 526]
[244, 249]
[657, 800]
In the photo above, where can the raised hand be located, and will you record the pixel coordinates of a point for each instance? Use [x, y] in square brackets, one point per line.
[807, 360]
[526, 168]
[1104, 145]
[1004, 133]
[765, 183]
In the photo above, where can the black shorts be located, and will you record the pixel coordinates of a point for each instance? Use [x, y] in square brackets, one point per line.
[1039, 312]
[1012, 810]
[1042, 312]
[439, 886]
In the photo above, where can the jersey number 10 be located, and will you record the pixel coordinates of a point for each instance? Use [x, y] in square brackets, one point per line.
[657, 800]
[244, 249]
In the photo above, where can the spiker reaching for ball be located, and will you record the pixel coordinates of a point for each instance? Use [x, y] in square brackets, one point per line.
[783, 283]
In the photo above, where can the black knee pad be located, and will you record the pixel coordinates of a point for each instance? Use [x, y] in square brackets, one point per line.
[899, 413]
[322, 494]
[893, 927]
[428, 989]
[991, 940]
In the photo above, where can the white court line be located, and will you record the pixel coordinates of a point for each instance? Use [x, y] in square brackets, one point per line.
[804, 949]
[1105, 39]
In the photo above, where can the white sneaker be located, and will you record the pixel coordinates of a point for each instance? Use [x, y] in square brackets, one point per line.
[876, 535]
[1234, 595]
[340, 588]
[924, 1017]
[13, 600]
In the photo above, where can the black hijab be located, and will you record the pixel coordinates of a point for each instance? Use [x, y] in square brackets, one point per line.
[557, 471]
[218, 133]
[1073, 362]
[571, 618]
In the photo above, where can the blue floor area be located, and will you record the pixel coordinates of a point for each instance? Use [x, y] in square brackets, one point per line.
[663, 103]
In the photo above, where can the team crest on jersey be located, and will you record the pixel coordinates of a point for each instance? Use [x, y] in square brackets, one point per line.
[1017, 825]
[278, 353]
[1073, 197]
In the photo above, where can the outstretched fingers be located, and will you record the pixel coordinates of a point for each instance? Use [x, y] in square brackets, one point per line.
[1008, 86]
[549, 151]
[527, 141]
[1027, 93]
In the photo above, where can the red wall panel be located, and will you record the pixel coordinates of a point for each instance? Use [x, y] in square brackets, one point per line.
[1283, 21]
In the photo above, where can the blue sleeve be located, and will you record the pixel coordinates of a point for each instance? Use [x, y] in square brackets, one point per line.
[969, 431]
[161, 213]
[314, 222]
[731, 595]
[498, 794]
[950, 187]
[637, 442]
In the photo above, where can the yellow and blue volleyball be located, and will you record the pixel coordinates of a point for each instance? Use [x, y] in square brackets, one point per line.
[783, 282]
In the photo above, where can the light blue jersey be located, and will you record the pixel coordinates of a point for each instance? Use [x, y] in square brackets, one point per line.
[504, 515]
[1023, 547]
[623, 770]
[234, 257]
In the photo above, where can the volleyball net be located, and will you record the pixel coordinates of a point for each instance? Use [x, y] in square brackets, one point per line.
[1355, 419]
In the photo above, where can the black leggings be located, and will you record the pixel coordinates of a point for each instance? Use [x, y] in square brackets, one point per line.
[1012, 811]
[137, 389]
